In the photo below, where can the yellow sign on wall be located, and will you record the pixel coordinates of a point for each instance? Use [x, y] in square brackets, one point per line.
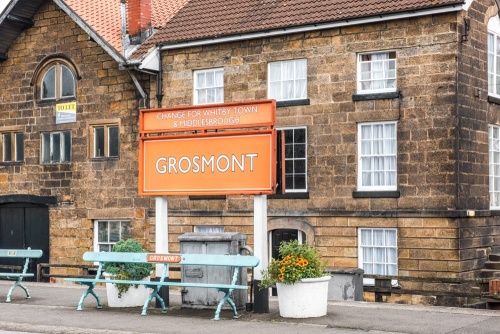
[66, 112]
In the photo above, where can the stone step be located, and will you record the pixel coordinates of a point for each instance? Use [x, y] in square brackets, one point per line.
[489, 273]
[494, 257]
[492, 265]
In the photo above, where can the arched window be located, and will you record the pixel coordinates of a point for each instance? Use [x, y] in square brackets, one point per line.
[56, 80]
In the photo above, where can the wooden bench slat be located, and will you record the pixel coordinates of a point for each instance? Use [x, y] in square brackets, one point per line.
[24, 253]
[153, 283]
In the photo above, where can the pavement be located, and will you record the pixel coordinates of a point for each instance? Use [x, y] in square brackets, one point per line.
[52, 309]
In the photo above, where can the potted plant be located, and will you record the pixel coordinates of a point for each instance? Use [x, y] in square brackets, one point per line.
[300, 277]
[121, 295]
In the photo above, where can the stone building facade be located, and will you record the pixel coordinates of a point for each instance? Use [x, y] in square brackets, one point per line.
[437, 216]
[83, 187]
[441, 207]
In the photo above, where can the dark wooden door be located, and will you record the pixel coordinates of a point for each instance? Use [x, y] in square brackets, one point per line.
[24, 225]
[278, 236]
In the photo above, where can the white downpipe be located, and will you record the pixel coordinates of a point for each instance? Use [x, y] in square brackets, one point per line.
[161, 230]
[260, 234]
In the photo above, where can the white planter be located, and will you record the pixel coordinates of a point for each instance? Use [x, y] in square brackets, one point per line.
[135, 296]
[305, 299]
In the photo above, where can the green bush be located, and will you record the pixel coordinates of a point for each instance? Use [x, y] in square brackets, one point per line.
[128, 271]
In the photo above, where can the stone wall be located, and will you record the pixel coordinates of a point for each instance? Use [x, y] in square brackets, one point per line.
[86, 189]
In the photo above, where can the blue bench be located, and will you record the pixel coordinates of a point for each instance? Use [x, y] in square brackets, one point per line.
[27, 254]
[234, 261]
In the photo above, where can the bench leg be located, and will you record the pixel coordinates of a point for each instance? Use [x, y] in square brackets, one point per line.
[226, 298]
[154, 294]
[16, 284]
[90, 290]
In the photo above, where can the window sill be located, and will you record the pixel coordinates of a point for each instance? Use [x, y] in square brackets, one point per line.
[11, 163]
[55, 101]
[375, 96]
[493, 99]
[104, 159]
[376, 194]
[304, 195]
[291, 103]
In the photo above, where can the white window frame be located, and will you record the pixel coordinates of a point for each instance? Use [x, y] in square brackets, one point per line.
[109, 243]
[387, 73]
[15, 151]
[296, 80]
[64, 149]
[201, 89]
[494, 56]
[363, 262]
[386, 157]
[293, 159]
[494, 166]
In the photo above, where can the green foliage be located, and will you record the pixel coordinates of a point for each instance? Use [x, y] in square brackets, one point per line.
[298, 261]
[128, 271]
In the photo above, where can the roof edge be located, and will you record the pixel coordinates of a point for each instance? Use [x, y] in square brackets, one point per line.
[313, 27]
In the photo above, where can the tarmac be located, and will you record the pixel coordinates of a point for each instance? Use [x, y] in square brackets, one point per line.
[52, 309]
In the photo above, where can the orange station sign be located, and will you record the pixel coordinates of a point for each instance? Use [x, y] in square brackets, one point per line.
[178, 157]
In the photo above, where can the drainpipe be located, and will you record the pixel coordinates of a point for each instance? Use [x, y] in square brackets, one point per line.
[159, 78]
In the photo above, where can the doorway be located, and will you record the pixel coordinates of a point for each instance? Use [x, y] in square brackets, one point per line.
[24, 225]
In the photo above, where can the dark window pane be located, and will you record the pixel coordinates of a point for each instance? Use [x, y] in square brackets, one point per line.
[300, 151]
[45, 147]
[7, 147]
[300, 182]
[67, 146]
[288, 151]
[113, 141]
[300, 166]
[99, 142]
[300, 136]
[49, 84]
[289, 167]
[67, 82]
[289, 182]
[19, 147]
[56, 147]
[288, 136]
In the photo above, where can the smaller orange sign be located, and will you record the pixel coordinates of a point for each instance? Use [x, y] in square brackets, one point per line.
[164, 258]
[209, 117]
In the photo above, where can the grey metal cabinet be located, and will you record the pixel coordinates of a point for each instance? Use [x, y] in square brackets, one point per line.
[211, 243]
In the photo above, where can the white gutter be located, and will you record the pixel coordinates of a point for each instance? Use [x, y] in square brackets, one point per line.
[313, 27]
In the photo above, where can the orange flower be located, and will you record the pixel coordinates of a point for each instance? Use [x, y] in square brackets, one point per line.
[282, 269]
[280, 277]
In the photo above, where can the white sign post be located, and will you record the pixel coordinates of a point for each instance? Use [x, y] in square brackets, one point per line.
[161, 230]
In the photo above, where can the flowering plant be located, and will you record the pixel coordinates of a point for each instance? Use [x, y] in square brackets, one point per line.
[298, 261]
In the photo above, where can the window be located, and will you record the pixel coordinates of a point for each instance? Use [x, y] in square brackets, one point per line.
[494, 56]
[377, 72]
[209, 86]
[377, 167]
[105, 141]
[109, 232]
[209, 229]
[494, 157]
[56, 147]
[295, 159]
[287, 80]
[377, 251]
[58, 82]
[12, 146]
